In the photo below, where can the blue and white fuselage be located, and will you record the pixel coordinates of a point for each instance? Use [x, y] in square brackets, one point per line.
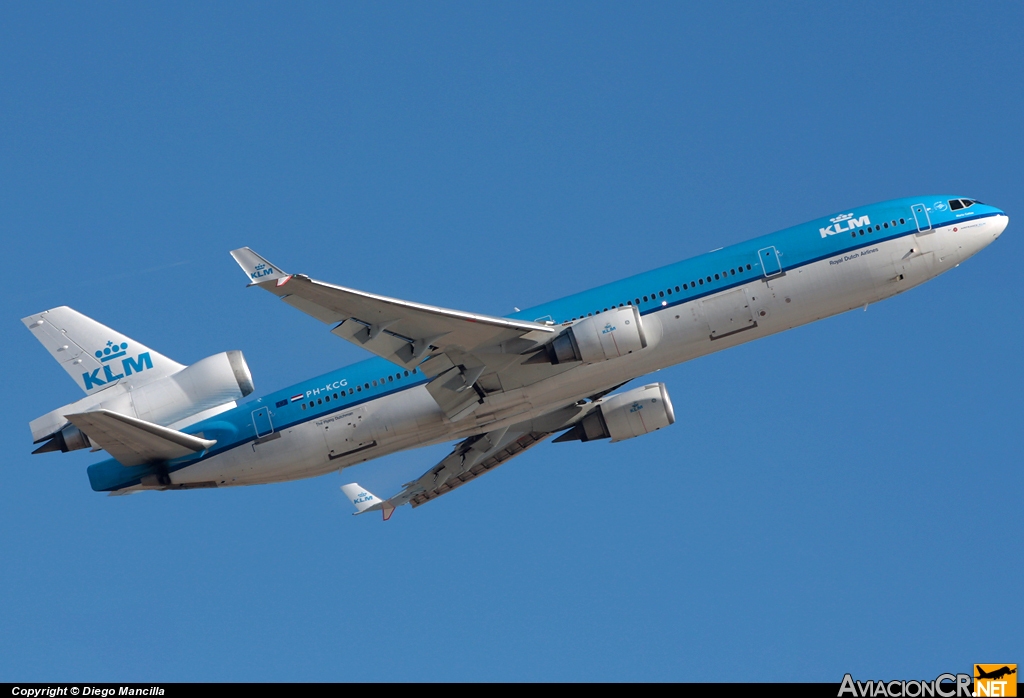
[687, 309]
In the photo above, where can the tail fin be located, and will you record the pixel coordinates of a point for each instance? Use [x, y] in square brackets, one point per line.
[364, 500]
[94, 355]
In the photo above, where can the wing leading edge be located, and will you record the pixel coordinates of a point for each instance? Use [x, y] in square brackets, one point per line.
[400, 331]
[466, 355]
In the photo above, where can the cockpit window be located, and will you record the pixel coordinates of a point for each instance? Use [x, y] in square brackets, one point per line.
[967, 202]
[955, 205]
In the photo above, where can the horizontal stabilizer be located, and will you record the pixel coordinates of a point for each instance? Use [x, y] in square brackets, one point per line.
[365, 500]
[134, 441]
[256, 267]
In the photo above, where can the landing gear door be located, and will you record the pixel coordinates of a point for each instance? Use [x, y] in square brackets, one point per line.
[921, 217]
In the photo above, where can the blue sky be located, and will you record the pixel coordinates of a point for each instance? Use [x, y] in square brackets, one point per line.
[841, 497]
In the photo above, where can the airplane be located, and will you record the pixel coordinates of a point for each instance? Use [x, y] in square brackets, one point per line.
[499, 386]
[994, 674]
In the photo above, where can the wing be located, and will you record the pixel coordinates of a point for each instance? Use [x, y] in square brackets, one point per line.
[400, 331]
[467, 355]
[470, 459]
[134, 441]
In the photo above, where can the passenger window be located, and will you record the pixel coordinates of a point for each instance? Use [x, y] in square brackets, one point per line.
[701, 281]
[902, 221]
[319, 401]
[677, 289]
[303, 405]
[645, 299]
[878, 227]
[327, 398]
[885, 225]
[661, 294]
[709, 279]
[717, 277]
[748, 267]
[685, 287]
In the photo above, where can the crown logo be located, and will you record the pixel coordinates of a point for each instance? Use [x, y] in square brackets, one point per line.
[112, 351]
[840, 219]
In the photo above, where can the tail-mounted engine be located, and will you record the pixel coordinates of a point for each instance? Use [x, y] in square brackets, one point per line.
[623, 416]
[207, 386]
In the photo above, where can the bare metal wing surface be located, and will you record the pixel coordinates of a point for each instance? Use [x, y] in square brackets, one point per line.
[466, 355]
[400, 331]
[470, 459]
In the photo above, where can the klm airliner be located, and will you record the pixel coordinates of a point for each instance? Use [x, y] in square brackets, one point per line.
[496, 385]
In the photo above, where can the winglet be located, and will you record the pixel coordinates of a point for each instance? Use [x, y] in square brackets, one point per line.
[365, 501]
[257, 268]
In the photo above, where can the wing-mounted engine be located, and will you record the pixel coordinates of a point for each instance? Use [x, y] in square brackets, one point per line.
[626, 415]
[604, 336]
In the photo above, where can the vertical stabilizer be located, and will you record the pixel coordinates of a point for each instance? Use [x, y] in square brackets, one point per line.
[94, 355]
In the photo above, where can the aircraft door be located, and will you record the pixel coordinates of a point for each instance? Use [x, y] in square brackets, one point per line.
[924, 222]
[261, 422]
[770, 263]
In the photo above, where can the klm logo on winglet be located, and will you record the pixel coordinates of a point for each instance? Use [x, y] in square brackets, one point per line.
[261, 271]
[843, 224]
[363, 496]
[128, 365]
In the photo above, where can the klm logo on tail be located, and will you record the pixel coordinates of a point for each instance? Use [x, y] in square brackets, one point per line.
[843, 224]
[261, 270]
[112, 352]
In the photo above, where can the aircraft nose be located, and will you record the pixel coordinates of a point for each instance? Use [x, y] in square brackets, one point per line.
[1002, 220]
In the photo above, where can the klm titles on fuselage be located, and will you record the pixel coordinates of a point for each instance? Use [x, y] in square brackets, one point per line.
[129, 365]
[844, 224]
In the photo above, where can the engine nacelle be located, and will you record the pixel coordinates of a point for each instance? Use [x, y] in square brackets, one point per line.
[207, 386]
[608, 335]
[214, 381]
[632, 413]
